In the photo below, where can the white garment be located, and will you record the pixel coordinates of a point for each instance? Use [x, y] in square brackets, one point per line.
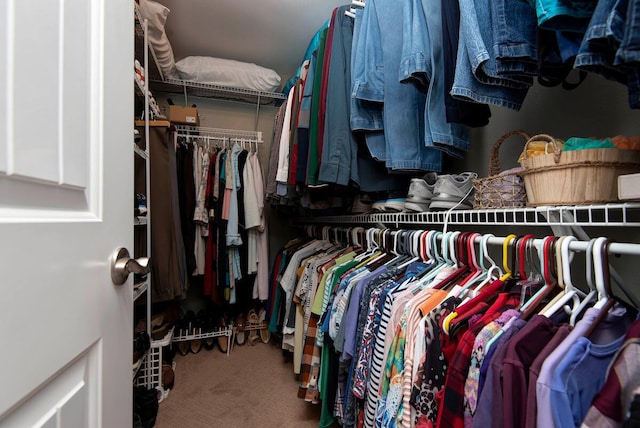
[283, 153]
[261, 284]
[200, 217]
[251, 220]
[251, 213]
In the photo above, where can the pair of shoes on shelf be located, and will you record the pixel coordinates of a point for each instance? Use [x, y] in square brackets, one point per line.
[238, 329]
[441, 192]
[187, 326]
[223, 341]
[253, 322]
[265, 334]
[141, 344]
[206, 322]
[168, 376]
[162, 322]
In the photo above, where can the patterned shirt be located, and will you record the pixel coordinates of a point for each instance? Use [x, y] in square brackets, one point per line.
[477, 356]
[452, 402]
[434, 367]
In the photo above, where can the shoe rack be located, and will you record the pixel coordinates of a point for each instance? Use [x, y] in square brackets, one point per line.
[147, 371]
[185, 336]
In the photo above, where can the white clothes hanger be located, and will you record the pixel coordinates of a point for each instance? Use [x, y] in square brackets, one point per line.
[492, 272]
[571, 293]
[603, 294]
[593, 292]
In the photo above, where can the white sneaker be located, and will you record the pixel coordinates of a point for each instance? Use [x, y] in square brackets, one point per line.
[420, 193]
[389, 205]
[454, 190]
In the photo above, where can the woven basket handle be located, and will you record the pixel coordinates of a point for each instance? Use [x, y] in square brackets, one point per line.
[494, 154]
[549, 139]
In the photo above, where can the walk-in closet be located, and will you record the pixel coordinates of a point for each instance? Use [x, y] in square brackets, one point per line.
[367, 213]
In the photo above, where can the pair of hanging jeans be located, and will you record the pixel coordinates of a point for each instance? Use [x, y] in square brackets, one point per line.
[602, 39]
[423, 62]
[365, 114]
[404, 105]
[628, 55]
[474, 62]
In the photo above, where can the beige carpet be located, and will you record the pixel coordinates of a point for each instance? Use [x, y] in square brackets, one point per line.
[254, 387]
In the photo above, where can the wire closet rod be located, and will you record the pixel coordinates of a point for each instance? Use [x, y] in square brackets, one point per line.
[579, 246]
[632, 249]
[219, 133]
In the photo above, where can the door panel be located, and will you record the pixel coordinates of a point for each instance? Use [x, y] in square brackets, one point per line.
[65, 399]
[66, 202]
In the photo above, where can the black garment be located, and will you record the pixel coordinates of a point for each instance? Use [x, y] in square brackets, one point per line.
[187, 200]
[168, 261]
[244, 286]
[457, 111]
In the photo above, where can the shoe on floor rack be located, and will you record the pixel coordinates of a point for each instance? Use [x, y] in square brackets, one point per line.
[420, 193]
[453, 191]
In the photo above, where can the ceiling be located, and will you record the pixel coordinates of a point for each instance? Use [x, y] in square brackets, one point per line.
[270, 33]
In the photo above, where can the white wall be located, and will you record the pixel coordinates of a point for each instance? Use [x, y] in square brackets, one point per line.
[596, 108]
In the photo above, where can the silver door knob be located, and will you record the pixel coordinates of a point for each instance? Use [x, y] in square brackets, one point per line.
[122, 265]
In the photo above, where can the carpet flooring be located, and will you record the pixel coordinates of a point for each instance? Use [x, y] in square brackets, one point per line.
[254, 387]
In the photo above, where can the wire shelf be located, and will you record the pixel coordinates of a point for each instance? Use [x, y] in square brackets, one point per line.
[227, 331]
[150, 371]
[217, 332]
[201, 131]
[138, 365]
[139, 289]
[625, 214]
[216, 91]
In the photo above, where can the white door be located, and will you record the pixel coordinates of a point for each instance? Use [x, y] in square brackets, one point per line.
[66, 201]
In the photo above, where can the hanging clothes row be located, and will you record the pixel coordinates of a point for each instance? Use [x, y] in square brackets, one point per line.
[420, 328]
[390, 88]
[222, 202]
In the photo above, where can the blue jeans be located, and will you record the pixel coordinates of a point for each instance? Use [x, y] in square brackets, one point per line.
[472, 53]
[483, 61]
[404, 105]
[514, 29]
[365, 114]
[628, 55]
[458, 111]
[419, 55]
[451, 137]
[368, 72]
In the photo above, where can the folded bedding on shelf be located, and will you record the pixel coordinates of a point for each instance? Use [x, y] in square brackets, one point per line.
[227, 72]
[156, 16]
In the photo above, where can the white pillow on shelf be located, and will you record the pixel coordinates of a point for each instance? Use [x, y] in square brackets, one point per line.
[156, 16]
[228, 72]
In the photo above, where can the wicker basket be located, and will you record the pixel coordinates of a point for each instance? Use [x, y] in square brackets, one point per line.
[575, 177]
[500, 190]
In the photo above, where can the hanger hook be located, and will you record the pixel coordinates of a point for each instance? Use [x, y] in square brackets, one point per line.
[600, 257]
[565, 257]
[505, 253]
